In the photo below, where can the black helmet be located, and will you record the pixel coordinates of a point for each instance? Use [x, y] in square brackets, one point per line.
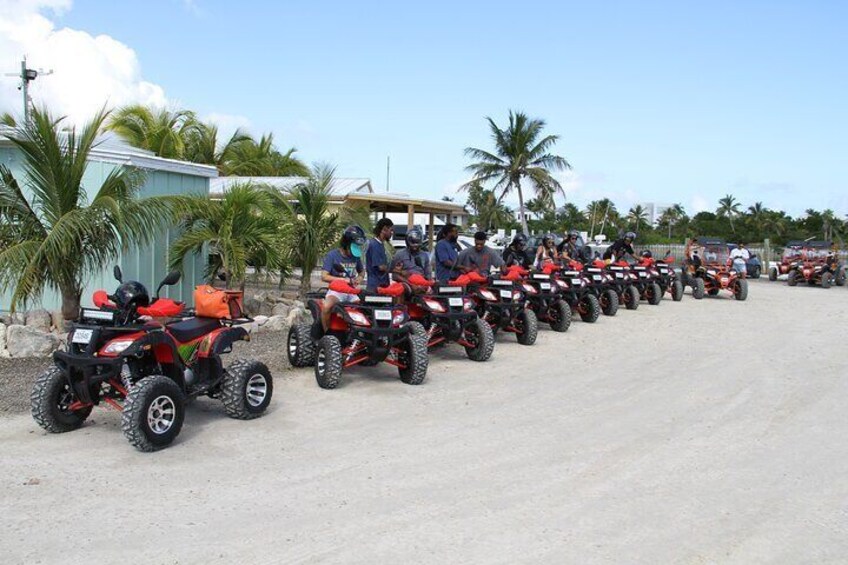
[132, 293]
[548, 237]
[630, 235]
[414, 237]
[573, 233]
[519, 240]
[353, 238]
[647, 254]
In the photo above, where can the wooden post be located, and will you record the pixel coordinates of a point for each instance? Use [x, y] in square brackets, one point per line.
[432, 231]
[410, 216]
[766, 259]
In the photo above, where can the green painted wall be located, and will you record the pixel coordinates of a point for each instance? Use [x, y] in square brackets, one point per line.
[148, 265]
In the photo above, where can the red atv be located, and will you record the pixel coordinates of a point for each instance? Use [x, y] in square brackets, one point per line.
[371, 330]
[547, 299]
[666, 277]
[119, 354]
[445, 314]
[818, 265]
[788, 261]
[501, 302]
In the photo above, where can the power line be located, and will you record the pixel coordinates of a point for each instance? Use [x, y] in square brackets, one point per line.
[27, 76]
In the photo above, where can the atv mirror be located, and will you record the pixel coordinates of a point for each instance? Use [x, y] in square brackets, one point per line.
[170, 279]
[119, 276]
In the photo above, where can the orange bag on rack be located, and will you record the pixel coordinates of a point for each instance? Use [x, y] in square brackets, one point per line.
[210, 302]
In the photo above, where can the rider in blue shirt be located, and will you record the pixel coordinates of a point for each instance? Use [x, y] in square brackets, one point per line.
[376, 261]
[446, 254]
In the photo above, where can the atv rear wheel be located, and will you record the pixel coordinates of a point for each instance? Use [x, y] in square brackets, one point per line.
[698, 288]
[480, 334]
[300, 346]
[826, 280]
[328, 362]
[840, 277]
[50, 402]
[247, 389]
[528, 327]
[589, 308]
[560, 316]
[740, 289]
[773, 274]
[153, 413]
[415, 351]
[676, 290]
[631, 297]
[792, 278]
[609, 302]
[756, 272]
[654, 294]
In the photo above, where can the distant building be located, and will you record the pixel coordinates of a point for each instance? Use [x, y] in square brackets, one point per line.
[654, 210]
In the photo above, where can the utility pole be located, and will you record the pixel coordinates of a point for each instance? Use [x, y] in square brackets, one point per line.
[27, 76]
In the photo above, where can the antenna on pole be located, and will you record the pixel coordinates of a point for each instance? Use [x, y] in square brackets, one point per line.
[388, 170]
[27, 76]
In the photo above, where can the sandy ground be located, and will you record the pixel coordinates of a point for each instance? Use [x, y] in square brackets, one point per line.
[715, 431]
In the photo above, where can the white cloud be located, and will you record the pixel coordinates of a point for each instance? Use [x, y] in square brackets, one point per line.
[699, 204]
[89, 71]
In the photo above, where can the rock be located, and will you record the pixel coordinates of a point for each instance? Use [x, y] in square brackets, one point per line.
[281, 310]
[5, 318]
[298, 316]
[276, 324]
[17, 319]
[39, 319]
[58, 320]
[290, 294]
[260, 320]
[3, 352]
[27, 341]
[252, 306]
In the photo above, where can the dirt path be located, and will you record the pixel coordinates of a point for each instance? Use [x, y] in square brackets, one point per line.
[715, 432]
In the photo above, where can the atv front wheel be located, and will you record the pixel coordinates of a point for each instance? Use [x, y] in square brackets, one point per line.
[560, 316]
[698, 288]
[589, 309]
[415, 352]
[740, 289]
[826, 280]
[417, 328]
[840, 277]
[756, 272]
[792, 279]
[153, 413]
[51, 399]
[300, 346]
[772, 274]
[480, 334]
[609, 302]
[676, 290]
[631, 297]
[247, 389]
[528, 326]
[654, 294]
[328, 362]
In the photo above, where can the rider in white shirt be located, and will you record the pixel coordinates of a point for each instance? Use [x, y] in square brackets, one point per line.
[739, 256]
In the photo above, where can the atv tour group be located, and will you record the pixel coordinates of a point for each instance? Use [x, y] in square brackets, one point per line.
[147, 357]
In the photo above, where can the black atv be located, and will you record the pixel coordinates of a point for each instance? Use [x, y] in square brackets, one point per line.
[601, 284]
[502, 303]
[622, 282]
[546, 299]
[646, 283]
[578, 295]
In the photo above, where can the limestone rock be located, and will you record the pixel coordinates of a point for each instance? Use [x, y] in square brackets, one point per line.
[281, 310]
[276, 324]
[3, 352]
[39, 319]
[252, 306]
[27, 341]
[260, 320]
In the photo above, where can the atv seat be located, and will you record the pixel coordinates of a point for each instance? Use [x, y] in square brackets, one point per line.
[193, 328]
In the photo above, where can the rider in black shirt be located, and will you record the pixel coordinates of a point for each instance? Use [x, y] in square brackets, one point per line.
[621, 247]
[516, 252]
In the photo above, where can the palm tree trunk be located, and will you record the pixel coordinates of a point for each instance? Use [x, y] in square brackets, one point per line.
[305, 284]
[521, 213]
[70, 302]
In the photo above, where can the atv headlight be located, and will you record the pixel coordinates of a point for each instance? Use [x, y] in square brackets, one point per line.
[399, 318]
[467, 304]
[529, 288]
[488, 295]
[562, 284]
[117, 347]
[358, 318]
[434, 305]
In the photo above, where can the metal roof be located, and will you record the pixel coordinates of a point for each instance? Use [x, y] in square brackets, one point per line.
[111, 149]
[341, 186]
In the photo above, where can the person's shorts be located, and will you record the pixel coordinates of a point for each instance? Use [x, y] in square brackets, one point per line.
[343, 297]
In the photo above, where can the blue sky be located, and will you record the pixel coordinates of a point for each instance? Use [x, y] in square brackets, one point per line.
[654, 101]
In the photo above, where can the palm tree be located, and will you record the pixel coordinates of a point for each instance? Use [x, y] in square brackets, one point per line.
[638, 215]
[728, 207]
[309, 229]
[239, 229]
[570, 216]
[672, 216]
[537, 207]
[520, 153]
[202, 146]
[601, 212]
[8, 120]
[829, 221]
[57, 234]
[262, 159]
[165, 132]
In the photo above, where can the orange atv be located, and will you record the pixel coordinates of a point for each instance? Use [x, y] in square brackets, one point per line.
[715, 273]
[818, 265]
[119, 354]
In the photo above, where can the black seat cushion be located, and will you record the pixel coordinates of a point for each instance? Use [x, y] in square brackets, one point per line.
[193, 328]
